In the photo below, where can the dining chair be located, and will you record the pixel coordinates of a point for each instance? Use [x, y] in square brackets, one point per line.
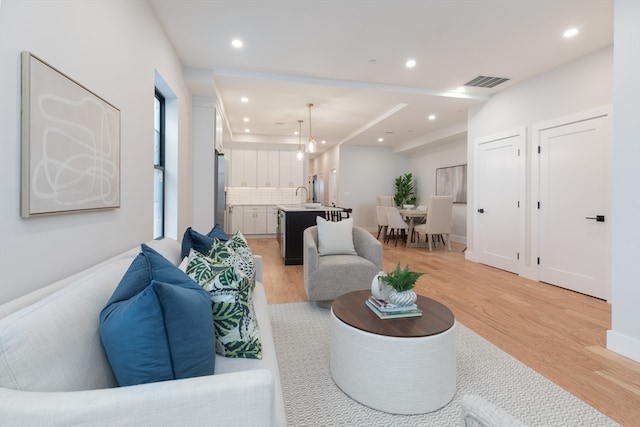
[383, 222]
[439, 219]
[397, 225]
[385, 201]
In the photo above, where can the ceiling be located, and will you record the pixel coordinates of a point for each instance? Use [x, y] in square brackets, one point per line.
[347, 57]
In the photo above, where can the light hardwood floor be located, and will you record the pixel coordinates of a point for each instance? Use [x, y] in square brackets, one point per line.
[559, 333]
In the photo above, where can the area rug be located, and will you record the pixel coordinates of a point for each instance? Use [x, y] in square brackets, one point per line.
[301, 333]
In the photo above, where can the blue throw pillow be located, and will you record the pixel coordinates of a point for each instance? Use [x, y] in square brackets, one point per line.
[157, 326]
[219, 233]
[201, 242]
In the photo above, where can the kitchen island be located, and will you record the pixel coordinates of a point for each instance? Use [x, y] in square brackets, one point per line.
[292, 221]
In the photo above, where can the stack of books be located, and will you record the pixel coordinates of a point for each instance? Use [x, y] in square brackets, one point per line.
[386, 310]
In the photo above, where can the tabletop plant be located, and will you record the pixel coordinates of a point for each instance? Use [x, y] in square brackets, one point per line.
[404, 190]
[401, 279]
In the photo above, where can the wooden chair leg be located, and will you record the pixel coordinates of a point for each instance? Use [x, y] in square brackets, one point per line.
[379, 230]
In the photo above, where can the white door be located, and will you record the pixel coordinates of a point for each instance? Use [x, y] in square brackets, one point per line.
[499, 200]
[573, 229]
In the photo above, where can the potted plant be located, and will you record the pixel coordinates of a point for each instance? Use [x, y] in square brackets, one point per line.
[401, 281]
[404, 190]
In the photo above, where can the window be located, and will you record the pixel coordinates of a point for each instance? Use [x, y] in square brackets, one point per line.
[158, 166]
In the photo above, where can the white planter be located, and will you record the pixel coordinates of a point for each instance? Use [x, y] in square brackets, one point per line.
[402, 298]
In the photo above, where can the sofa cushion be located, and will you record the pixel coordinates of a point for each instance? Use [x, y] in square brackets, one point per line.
[234, 319]
[335, 238]
[157, 324]
[201, 242]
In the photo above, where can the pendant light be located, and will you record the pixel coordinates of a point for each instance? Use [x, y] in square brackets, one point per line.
[311, 145]
[299, 154]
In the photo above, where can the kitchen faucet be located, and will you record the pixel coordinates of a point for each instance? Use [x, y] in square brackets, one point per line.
[306, 192]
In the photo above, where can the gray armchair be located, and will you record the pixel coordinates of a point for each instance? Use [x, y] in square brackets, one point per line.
[329, 276]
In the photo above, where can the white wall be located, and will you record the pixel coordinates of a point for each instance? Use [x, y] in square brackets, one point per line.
[423, 164]
[113, 48]
[363, 174]
[578, 86]
[624, 336]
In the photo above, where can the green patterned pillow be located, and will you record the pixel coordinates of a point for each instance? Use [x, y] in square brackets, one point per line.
[235, 252]
[234, 320]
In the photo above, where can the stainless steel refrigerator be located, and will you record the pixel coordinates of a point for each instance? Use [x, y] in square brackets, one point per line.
[220, 195]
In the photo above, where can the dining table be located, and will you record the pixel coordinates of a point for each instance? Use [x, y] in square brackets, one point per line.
[411, 215]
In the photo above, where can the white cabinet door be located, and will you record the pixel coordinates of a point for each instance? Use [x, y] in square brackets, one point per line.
[272, 219]
[243, 167]
[235, 220]
[255, 220]
[268, 168]
[290, 170]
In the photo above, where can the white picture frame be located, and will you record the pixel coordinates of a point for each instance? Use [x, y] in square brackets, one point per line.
[70, 144]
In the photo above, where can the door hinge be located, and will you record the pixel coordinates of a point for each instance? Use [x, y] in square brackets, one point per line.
[518, 203]
[518, 152]
[538, 205]
[517, 255]
[539, 149]
[538, 260]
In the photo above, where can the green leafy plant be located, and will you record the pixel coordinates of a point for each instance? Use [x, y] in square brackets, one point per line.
[404, 190]
[401, 279]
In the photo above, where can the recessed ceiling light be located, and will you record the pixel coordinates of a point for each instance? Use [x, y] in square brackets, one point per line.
[246, 119]
[295, 133]
[237, 43]
[244, 99]
[247, 130]
[432, 117]
[410, 63]
[380, 139]
[323, 142]
[460, 89]
[571, 32]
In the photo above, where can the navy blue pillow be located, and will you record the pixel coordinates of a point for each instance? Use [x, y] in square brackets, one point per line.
[219, 233]
[201, 242]
[158, 324]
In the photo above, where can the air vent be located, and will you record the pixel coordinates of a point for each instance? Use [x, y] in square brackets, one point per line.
[486, 81]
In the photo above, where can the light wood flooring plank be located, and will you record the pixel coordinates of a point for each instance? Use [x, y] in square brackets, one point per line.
[559, 333]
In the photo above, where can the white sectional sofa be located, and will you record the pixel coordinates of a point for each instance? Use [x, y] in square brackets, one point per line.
[54, 371]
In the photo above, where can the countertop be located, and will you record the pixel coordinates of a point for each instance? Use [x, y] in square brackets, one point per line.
[300, 208]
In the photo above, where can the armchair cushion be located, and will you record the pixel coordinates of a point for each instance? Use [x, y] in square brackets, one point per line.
[335, 238]
[157, 325]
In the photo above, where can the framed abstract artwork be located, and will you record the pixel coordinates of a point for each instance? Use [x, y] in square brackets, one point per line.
[452, 181]
[70, 144]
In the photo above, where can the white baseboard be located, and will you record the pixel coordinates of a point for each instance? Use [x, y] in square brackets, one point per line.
[623, 344]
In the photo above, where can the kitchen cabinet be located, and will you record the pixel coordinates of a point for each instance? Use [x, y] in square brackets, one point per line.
[290, 236]
[291, 170]
[235, 219]
[254, 219]
[272, 219]
[244, 167]
[268, 168]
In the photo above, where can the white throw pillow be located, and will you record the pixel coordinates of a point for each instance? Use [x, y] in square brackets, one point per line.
[335, 238]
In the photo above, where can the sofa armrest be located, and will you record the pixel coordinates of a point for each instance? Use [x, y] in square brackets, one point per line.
[477, 412]
[239, 398]
[257, 264]
[367, 246]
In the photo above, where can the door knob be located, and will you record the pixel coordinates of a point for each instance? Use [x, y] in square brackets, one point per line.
[598, 218]
[480, 210]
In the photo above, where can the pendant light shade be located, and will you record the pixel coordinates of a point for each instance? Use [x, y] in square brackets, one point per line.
[311, 145]
[299, 154]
